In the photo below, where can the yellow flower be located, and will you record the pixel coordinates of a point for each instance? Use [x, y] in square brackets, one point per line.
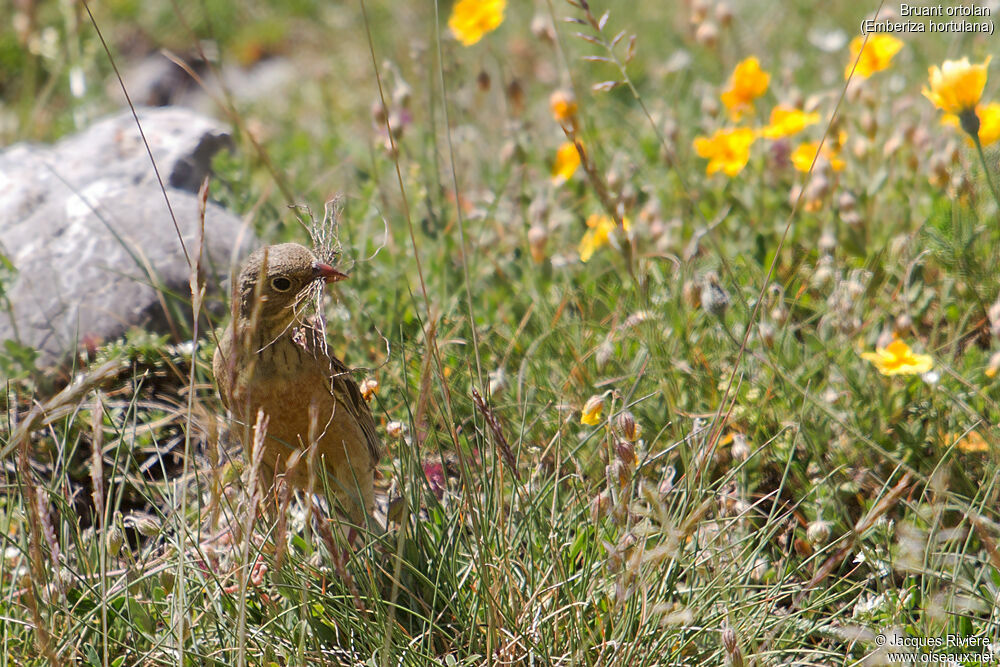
[786, 121]
[471, 19]
[599, 234]
[591, 413]
[970, 443]
[727, 151]
[566, 163]
[899, 359]
[877, 55]
[802, 157]
[563, 106]
[989, 122]
[747, 83]
[957, 85]
[993, 366]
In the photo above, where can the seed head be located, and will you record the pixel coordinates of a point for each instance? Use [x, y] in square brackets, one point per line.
[734, 655]
[818, 532]
[714, 299]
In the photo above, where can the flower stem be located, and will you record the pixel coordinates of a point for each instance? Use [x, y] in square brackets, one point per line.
[986, 168]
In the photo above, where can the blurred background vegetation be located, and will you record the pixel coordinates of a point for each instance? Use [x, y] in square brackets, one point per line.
[781, 501]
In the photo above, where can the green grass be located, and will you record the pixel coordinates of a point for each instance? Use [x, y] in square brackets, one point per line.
[784, 502]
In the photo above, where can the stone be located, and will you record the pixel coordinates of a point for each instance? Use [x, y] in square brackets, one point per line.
[158, 81]
[93, 246]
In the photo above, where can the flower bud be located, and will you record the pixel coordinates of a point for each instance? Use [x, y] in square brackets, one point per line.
[396, 125]
[724, 14]
[542, 29]
[515, 97]
[563, 105]
[699, 10]
[707, 35]
[368, 387]
[734, 655]
[591, 413]
[818, 532]
[625, 453]
[618, 474]
[630, 430]
[483, 80]
[167, 580]
[538, 237]
[401, 95]
[378, 113]
[114, 540]
[709, 106]
[144, 524]
[869, 123]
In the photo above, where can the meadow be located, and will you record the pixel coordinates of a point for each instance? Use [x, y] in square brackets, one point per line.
[679, 321]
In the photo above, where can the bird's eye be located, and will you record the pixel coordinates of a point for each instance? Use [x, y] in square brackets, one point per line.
[281, 284]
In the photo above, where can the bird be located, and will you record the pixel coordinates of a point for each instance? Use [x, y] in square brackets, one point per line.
[274, 360]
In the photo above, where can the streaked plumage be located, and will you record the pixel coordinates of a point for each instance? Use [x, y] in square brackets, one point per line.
[270, 358]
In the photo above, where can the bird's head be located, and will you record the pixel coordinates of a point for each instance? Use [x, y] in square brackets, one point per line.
[275, 279]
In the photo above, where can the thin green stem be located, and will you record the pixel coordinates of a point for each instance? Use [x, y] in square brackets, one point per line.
[986, 170]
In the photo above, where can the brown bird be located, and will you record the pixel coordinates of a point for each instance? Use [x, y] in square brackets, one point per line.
[271, 358]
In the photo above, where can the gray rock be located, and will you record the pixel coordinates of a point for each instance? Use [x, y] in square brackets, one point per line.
[157, 81]
[91, 239]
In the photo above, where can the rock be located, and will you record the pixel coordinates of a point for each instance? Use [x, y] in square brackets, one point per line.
[157, 81]
[91, 240]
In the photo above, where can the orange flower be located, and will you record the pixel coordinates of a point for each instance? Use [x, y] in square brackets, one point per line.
[957, 85]
[747, 83]
[786, 121]
[599, 234]
[802, 157]
[989, 122]
[877, 55]
[899, 359]
[471, 19]
[971, 443]
[566, 163]
[563, 106]
[727, 151]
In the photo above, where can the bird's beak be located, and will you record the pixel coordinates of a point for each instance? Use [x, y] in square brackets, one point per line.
[327, 273]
